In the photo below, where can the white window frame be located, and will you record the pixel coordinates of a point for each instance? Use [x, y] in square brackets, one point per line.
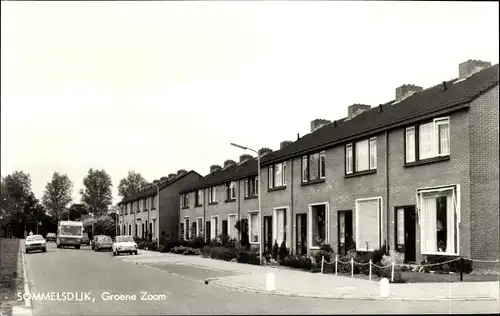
[187, 228]
[306, 167]
[372, 163]
[437, 122]
[232, 190]
[456, 200]
[198, 226]
[212, 191]
[199, 197]
[410, 150]
[213, 231]
[250, 227]
[322, 169]
[230, 225]
[309, 224]
[434, 136]
[349, 159]
[271, 180]
[275, 225]
[380, 217]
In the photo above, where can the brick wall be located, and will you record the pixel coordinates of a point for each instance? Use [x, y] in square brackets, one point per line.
[484, 148]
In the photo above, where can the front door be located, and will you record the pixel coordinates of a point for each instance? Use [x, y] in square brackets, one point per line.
[345, 240]
[207, 231]
[406, 232]
[301, 233]
[268, 234]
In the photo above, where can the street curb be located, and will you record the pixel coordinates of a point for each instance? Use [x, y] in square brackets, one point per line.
[27, 301]
[25, 310]
[344, 297]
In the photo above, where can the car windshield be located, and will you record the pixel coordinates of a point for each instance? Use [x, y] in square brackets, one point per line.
[34, 238]
[124, 239]
[71, 230]
[105, 238]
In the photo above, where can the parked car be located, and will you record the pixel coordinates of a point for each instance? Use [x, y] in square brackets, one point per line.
[94, 241]
[124, 244]
[51, 237]
[85, 240]
[103, 242]
[35, 242]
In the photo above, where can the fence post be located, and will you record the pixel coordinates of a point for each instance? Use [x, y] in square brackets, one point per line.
[336, 263]
[462, 269]
[352, 267]
[392, 272]
[322, 263]
[370, 273]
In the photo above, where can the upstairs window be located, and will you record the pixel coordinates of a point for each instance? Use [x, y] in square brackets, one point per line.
[199, 198]
[313, 167]
[361, 156]
[428, 140]
[185, 200]
[277, 175]
[231, 191]
[145, 204]
[251, 186]
[212, 195]
[153, 202]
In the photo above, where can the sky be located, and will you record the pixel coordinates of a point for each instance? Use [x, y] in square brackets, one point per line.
[160, 86]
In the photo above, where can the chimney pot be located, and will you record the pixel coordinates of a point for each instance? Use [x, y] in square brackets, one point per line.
[264, 151]
[171, 176]
[318, 123]
[228, 163]
[181, 172]
[471, 66]
[406, 90]
[245, 157]
[357, 109]
[214, 168]
[285, 143]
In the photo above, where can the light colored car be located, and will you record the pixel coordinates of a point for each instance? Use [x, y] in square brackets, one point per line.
[94, 241]
[35, 242]
[124, 244]
[51, 237]
[103, 242]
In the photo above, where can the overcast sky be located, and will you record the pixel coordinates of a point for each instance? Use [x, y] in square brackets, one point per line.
[159, 86]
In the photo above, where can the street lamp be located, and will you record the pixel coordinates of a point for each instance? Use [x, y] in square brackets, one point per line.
[261, 240]
[158, 216]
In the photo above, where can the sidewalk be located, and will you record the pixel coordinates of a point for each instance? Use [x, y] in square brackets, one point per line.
[305, 284]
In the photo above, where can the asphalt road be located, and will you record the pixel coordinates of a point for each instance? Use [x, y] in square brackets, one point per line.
[180, 290]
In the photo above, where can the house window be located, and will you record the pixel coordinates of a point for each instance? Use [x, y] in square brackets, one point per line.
[231, 191]
[224, 228]
[318, 225]
[361, 156]
[368, 224]
[136, 206]
[253, 227]
[199, 197]
[214, 227]
[185, 200]
[433, 140]
[193, 231]
[212, 195]
[199, 226]
[277, 175]
[279, 229]
[153, 202]
[145, 204]
[182, 231]
[439, 218]
[231, 221]
[251, 187]
[188, 228]
[313, 167]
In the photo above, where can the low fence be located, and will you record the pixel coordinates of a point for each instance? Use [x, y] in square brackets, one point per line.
[394, 264]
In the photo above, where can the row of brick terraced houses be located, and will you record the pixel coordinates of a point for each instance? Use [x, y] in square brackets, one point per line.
[418, 174]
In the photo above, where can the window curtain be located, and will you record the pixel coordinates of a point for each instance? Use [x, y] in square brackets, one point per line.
[281, 226]
[368, 225]
[430, 225]
[277, 176]
[426, 141]
[410, 144]
[444, 138]
[362, 158]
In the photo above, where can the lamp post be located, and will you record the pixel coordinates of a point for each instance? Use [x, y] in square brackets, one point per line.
[157, 216]
[261, 240]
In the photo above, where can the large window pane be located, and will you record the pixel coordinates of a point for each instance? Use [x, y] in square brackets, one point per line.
[254, 227]
[368, 228]
[322, 165]
[362, 159]
[305, 167]
[410, 144]
[426, 141]
[277, 176]
[270, 177]
[349, 162]
[444, 138]
[314, 167]
[373, 153]
[318, 225]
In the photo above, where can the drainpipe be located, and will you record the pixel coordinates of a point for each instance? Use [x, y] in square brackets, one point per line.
[292, 222]
[387, 190]
[239, 208]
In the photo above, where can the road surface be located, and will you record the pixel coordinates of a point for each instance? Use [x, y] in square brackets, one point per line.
[95, 276]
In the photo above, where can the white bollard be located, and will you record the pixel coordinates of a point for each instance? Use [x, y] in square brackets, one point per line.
[270, 282]
[352, 267]
[322, 263]
[392, 272]
[370, 274]
[336, 263]
[384, 287]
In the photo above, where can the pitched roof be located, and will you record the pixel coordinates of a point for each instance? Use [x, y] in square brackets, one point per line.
[233, 172]
[151, 190]
[431, 101]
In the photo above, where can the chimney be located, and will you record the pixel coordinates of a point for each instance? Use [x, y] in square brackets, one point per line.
[214, 168]
[264, 151]
[318, 123]
[470, 67]
[180, 172]
[245, 157]
[406, 90]
[356, 109]
[228, 162]
[285, 143]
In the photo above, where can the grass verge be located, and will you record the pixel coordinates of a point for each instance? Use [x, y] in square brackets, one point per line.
[11, 275]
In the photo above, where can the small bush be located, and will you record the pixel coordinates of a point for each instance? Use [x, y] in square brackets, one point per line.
[298, 262]
[276, 249]
[220, 253]
[187, 251]
[168, 246]
[250, 257]
[447, 267]
[283, 251]
[326, 252]
[196, 243]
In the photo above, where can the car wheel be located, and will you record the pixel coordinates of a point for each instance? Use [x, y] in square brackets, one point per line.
[26, 251]
[135, 253]
[44, 249]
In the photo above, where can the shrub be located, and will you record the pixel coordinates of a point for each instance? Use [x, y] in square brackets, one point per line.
[251, 257]
[276, 248]
[325, 251]
[221, 253]
[167, 246]
[186, 251]
[298, 262]
[447, 267]
[196, 243]
[283, 251]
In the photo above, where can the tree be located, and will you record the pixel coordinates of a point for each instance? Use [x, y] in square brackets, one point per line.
[96, 194]
[57, 194]
[132, 184]
[15, 194]
[76, 212]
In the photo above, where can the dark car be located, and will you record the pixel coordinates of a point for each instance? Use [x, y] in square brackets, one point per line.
[85, 240]
[103, 242]
[51, 237]
[94, 241]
